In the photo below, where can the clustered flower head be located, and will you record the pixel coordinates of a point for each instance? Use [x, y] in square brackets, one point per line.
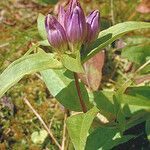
[72, 28]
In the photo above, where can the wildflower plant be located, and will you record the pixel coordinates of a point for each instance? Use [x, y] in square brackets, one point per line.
[75, 39]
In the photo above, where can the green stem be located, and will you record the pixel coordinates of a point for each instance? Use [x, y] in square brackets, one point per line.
[83, 106]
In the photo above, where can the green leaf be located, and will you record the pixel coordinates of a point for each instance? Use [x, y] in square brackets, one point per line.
[44, 43]
[105, 138]
[102, 101]
[119, 113]
[39, 137]
[109, 35]
[78, 127]
[136, 103]
[137, 118]
[33, 48]
[145, 70]
[141, 53]
[147, 128]
[56, 80]
[48, 1]
[141, 90]
[62, 86]
[73, 63]
[41, 26]
[26, 65]
[137, 96]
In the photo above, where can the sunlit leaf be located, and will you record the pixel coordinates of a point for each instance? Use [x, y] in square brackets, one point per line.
[44, 43]
[48, 1]
[39, 137]
[41, 26]
[109, 35]
[78, 127]
[137, 98]
[72, 63]
[62, 86]
[26, 65]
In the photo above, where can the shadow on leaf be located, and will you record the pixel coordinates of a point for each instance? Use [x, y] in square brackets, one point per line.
[69, 97]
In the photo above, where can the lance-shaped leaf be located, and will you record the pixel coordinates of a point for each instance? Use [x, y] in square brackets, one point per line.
[109, 35]
[78, 127]
[41, 26]
[56, 80]
[72, 63]
[105, 138]
[26, 65]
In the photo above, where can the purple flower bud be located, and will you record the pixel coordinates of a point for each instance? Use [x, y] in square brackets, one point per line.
[72, 5]
[55, 33]
[62, 16]
[93, 26]
[76, 27]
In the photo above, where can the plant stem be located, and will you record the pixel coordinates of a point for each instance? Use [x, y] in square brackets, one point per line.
[83, 106]
[112, 11]
[64, 131]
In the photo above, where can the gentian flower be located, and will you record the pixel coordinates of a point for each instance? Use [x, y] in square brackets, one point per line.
[56, 34]
[62, 16]
[93, 26]
[72, 29]
[76, 28]
[72, 5]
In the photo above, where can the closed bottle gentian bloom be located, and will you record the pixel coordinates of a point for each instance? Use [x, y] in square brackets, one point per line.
[72, 5]
[56, 34]
[72, 29]
[62, 16]
[76, 27]
[93, 26]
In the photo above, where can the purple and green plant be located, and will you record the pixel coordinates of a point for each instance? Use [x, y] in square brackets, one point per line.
[77, 45]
